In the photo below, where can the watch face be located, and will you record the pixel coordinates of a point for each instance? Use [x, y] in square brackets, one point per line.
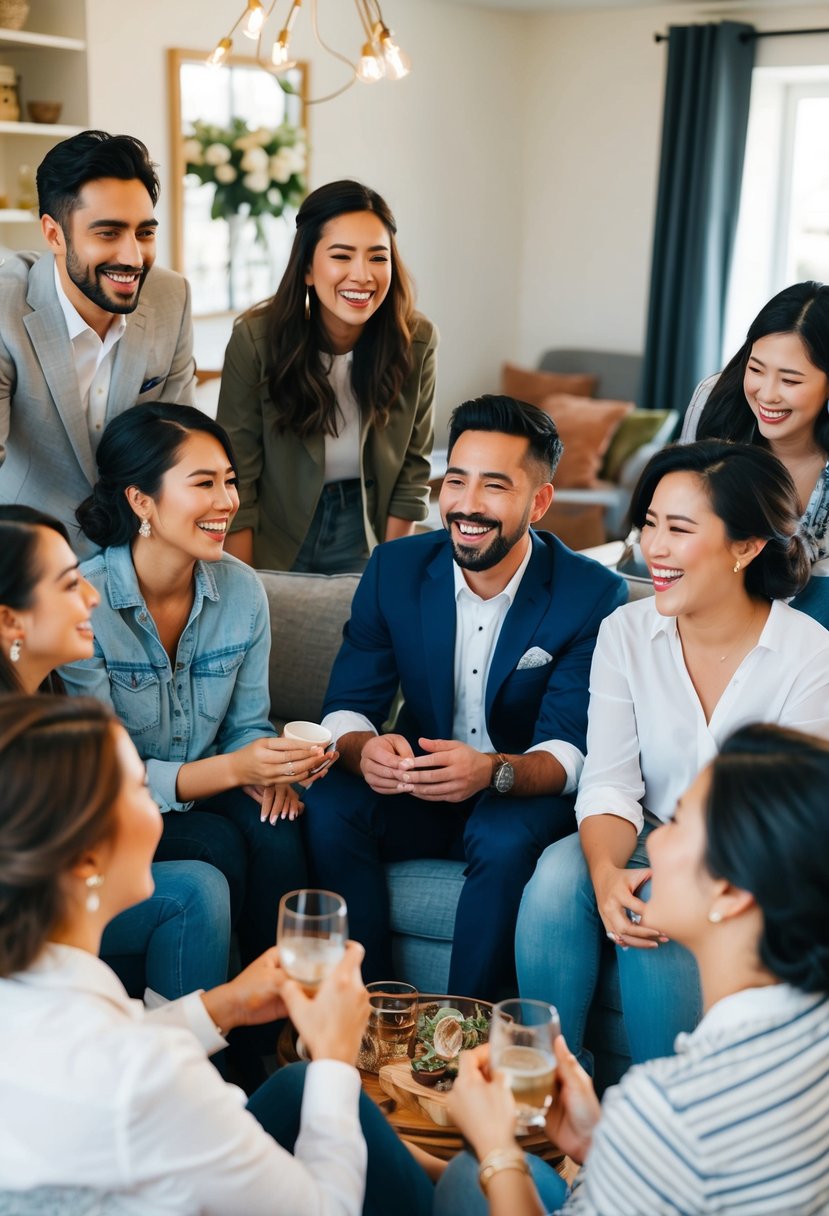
[504, 778]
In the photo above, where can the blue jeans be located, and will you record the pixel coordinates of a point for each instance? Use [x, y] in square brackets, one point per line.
[177, 940]
[335, 542]
[394, 1183]
[459, 1194]
[558, 947]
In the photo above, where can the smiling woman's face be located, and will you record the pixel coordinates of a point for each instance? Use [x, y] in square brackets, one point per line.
[351, 274]
[57, 626]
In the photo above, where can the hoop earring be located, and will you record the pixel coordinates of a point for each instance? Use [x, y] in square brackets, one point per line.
[93, 899]
[15, 650]
[738, 565]
[307, 305]
[145, 530]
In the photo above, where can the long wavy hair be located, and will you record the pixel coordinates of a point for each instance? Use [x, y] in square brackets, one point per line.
[301, 396]
[802, 309]
[20, 573]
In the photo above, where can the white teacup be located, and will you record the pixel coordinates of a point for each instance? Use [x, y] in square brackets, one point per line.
[309, 733]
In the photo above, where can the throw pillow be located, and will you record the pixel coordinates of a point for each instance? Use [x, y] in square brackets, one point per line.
[637, 429]
[586, 428]
[533, 386]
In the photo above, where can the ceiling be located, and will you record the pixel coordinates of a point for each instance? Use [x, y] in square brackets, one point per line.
[575, 6]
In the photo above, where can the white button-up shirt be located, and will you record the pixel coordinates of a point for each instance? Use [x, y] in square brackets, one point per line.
[478, 625]
[93, 360]
[99, 1093]
[647, 737]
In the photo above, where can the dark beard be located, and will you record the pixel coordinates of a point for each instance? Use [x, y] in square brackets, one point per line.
[497, 549]
[90, 285]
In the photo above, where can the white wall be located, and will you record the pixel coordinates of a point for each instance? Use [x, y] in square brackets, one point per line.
[443, 146]
[520, 156]
[591, 165]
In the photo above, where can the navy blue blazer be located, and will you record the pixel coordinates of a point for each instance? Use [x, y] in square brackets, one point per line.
[402, 632]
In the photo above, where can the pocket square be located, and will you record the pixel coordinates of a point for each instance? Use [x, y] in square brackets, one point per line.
[534, 657]
[148, 384]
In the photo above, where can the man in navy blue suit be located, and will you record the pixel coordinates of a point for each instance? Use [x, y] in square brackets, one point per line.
[488, 629]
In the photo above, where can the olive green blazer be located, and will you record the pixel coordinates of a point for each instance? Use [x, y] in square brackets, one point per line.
[281, 475]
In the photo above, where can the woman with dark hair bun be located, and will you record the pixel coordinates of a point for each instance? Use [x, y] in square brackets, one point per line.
[110, 1108]
[672, 676]
[177, 940]
[775, 393]
[182, 640]
[737, 1120]
[327, 394]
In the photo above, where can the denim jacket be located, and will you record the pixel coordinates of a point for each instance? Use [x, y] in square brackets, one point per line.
[214, 702]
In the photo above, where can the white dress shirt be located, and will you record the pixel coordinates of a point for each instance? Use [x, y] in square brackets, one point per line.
[478, 625]
[99, 1093]
[647, 737]
[93, 360]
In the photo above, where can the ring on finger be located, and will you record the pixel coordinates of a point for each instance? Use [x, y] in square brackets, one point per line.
[290, 768]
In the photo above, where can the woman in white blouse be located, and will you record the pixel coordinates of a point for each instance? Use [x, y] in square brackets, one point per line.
[101, 1096]
[672, 676]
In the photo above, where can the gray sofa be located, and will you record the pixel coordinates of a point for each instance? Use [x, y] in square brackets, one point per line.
[307, 615]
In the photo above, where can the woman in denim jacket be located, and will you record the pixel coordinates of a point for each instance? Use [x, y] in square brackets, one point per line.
[182, 638]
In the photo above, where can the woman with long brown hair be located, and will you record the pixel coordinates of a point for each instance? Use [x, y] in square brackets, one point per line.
[327, 395]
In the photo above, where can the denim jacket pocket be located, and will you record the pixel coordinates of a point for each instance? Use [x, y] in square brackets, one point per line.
[136, 695]
[214, 678]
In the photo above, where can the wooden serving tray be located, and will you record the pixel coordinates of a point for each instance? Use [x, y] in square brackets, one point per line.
[397, 1081]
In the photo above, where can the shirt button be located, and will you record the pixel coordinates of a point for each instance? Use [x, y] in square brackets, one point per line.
[177, 738]
[178, 713]
[473, 731]
[474, 671]
[480, 629]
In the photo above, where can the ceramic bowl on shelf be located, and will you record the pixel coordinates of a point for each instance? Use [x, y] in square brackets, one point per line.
[44, 111]
[13, 14]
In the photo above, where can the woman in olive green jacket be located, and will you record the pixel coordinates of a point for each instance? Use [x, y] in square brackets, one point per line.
[327, 394]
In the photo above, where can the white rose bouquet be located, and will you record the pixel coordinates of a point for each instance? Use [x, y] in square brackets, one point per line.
[255, 173]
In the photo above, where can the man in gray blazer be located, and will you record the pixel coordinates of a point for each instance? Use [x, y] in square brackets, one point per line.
[86, 331]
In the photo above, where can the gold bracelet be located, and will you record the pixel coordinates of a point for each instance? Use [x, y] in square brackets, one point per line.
[501, 1159]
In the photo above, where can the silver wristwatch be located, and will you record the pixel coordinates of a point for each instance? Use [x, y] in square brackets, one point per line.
[503, 775]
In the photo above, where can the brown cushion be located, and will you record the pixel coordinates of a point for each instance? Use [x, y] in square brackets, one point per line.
[635, 431]
[586, 428]
[533, 387]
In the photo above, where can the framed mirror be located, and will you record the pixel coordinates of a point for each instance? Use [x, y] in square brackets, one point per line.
[226, 238]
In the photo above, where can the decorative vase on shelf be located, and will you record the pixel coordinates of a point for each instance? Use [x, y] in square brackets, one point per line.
[13, 14]
[9, 103]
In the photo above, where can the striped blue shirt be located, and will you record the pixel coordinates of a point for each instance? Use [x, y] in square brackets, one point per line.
[737, 1121]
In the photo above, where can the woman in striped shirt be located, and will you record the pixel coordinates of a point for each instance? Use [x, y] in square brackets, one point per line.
[738, 1120]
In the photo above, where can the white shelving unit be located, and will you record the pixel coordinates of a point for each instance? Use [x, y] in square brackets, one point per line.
[49, 57]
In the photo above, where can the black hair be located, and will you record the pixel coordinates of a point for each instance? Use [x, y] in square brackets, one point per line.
[300, 393]
[88, 157]
[754, 496]
[768, 833]
[20, 569]
[510, 417]
[137, 448]
[802, 309]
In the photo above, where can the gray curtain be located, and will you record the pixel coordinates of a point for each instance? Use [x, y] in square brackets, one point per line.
[703, 145]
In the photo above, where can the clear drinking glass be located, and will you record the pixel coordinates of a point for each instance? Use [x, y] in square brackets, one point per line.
[391, 1024]
[521, 1036]
[311, 933]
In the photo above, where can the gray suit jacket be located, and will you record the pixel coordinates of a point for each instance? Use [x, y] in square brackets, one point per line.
[46, 457]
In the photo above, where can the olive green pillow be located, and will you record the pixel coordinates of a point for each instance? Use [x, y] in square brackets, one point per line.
[637, 429]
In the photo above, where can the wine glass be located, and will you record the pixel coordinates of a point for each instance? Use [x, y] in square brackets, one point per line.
[521, 1036]
[311, 933]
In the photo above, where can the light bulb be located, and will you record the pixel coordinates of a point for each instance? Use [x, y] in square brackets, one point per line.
[219, 53]
[398, 63]
[279, 54]
[370, 69]
[254, 19]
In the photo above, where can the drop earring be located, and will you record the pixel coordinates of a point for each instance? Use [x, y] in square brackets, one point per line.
[93, 899]
[145, 530]
[738, 565]
[307, 305]
[15, 650]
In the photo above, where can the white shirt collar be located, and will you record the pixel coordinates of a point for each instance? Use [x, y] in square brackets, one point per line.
[748, 1007]
[511, 589]
[61, 966]
[772, 637]
[75, 323]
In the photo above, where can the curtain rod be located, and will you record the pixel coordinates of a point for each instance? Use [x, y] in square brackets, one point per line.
[761, 34]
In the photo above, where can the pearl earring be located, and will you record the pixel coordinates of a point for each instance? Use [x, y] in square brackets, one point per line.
[714, 916]
[15, 650]
[307, 305]
[737, 567]
[145, 530]
[93, 899]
